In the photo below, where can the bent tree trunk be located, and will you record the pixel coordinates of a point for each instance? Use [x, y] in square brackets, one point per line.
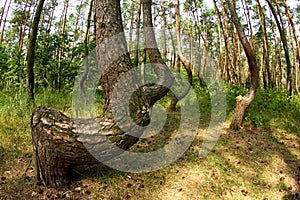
[186, 64]
[60, 142]
[243, 102]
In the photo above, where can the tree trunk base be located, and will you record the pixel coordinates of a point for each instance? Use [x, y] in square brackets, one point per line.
[242, 103]
[56, 147]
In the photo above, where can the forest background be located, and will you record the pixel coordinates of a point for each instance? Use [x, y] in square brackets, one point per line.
[260, 161]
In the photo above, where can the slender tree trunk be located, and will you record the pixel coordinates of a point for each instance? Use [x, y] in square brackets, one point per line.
[183, 60]
[164, 27]
[2, 13]
[49, 25]
[31, 51]
[236, 55]
[242, 103]
[63, 22]
[227, 43]
[248, 19]
[198, 25]
[289, 81]
[77, 22]
[266, 53]
[86, 51]
[131, 24]
[295, 77]
[296, 40]
[137, 39]
[4, 21]
[24, 25]
[220, 30]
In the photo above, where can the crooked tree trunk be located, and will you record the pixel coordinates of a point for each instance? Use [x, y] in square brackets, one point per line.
[186, 64]
[60, 142]
[242, 103]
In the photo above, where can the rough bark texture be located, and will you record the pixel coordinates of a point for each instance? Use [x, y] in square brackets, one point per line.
[60, 142]
[56, 146]
[242, 103]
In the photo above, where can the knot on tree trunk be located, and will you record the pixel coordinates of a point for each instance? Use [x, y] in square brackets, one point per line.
[60, 142]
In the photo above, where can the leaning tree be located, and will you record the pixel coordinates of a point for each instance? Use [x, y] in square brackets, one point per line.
[243, 102]
[56, 138]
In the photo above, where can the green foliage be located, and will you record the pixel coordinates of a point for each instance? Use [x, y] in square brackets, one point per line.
[232, 92]
[4, 57]
[270, 108]
[12, 66]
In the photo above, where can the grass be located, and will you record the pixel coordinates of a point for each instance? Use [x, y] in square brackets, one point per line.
[261, 161]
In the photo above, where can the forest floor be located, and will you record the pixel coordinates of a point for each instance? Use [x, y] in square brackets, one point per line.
[261, 161]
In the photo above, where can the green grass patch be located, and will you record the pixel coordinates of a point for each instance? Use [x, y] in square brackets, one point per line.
[261, 161]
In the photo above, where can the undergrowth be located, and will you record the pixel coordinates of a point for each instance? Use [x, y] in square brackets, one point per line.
[259, 162]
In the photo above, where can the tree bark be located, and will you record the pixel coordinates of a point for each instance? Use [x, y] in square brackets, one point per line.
[220, 30]
[56, 138]
[77, 22]
[86, 50]
[242, 103]
[266, 54]
[289, 80]
[2, 13]
[137, 39]
[4, 21]
[61, 30]
[296, 40]
[227, 44]
[186, 64]
[31, 51]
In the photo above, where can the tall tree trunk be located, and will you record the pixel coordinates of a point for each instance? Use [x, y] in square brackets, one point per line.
[237, 55]
[296, 40]
[183, 60]
[220, 30]
[137, 39]
[130, 42]
[77, 22]
[289, 80]
[164, 40]
[4, 21]
[295, 77]
[266, 53]
[24, 25]
[31, 51]
[242, 103]
[56, 140]
[51, 16]
[63, 22]
[2, 13]
[227, 44]
[86, 51]
[248, 19]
